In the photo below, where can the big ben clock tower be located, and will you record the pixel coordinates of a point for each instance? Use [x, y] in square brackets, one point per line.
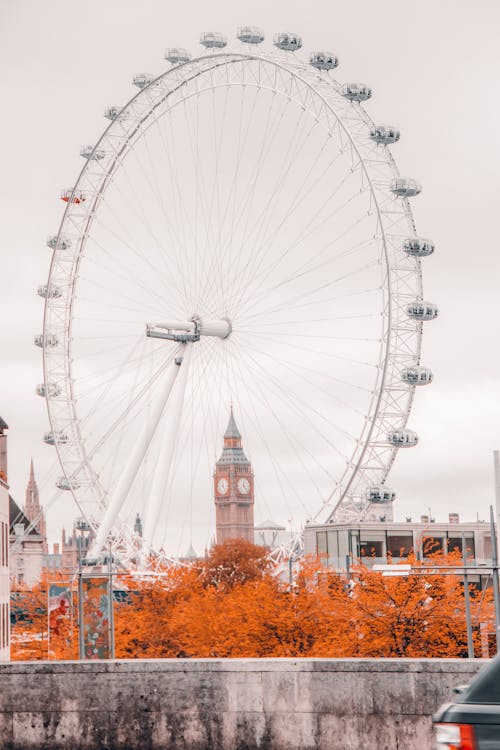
[233, 489]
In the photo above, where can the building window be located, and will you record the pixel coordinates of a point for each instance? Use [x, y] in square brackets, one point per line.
[432, 544]
[399, 544]
[321, 545]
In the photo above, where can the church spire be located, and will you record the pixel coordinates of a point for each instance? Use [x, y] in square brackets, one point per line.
[31, 480]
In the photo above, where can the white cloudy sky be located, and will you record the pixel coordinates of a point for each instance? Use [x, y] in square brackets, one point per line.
[434, 69]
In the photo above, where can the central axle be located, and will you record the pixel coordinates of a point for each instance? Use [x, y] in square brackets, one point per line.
[186, 331]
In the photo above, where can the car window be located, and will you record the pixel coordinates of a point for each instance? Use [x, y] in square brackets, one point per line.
[485, 688]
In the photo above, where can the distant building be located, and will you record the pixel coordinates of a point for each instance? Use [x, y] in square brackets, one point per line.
[28, 540]
[32, 508]
[233, 489]
[4, 548]
[72, 548]
[271, 534]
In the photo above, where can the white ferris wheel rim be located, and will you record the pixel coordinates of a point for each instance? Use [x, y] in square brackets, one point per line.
[77, 466]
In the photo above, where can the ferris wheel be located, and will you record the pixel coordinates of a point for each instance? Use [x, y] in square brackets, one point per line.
[239, 234]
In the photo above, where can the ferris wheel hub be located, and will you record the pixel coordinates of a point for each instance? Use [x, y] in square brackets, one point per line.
[188, 331]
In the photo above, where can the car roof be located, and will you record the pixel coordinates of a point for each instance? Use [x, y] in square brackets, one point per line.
[485, 687]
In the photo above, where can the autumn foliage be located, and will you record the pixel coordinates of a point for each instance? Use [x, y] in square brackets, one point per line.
[234, 603]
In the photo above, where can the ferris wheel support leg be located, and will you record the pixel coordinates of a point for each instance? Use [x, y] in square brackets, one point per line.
[126, 480]
[167, 450]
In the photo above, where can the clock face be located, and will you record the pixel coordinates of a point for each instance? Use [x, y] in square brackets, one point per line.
[222, 486]
[243, 486]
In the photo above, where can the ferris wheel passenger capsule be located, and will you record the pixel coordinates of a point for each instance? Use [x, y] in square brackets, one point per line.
[112, 112]
[379, 493]
[65, 484]
[212, 39]
[141, 80]
[417, 375]
[49, 291]
[418, 247]
[250, 35]
[78, 197]
[47, 390]
[46, 341]
[323, 60]
[90, 152]
[402, 438]
[177, 55]
[58, 241]
[405, 187]
[55, 438]
[356, 92]
[420, 310]
[385, 134]
[288, 41]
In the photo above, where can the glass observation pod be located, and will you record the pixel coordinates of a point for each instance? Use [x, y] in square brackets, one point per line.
[78, 197]
[385, 134]
[65, 484]
[417, 375]
[405, 187]
[287, 41]
[418, 247]
[379, 493]
[323, 60]
[420, 310]
[211, 39]
[49, 290]
[91, 152]
[47, 390]
[141, 80]
[176, 55]
[356, 92]
[402, 438]
[53, 438]
[250, 34]
[58, 241]
[50, 340]
[112, 112]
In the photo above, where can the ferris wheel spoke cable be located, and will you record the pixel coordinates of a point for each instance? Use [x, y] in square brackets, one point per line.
[327, 285]
[127, 276]
[302, 237]
[271, 130]
[179, 245]
[230, 207]
[253, 386]
[252, 425]
[293, 404]
[301, 274]
[139, 253]
[295, 145]
[240, 276]
[257, 233]
[309, 350]
[292, 367]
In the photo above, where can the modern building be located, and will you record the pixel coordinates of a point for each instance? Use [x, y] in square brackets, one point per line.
[4, 548]
[233, 489]
[378, 542]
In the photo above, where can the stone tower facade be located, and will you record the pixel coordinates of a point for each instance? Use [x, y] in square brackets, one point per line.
[233, 489]
[32, 508]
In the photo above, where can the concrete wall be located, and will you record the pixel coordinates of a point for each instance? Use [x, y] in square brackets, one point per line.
[238, 704]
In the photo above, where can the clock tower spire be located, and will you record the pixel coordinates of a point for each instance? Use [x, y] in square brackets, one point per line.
[233, 489]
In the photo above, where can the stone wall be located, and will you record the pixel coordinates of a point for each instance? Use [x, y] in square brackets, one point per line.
[233, 704]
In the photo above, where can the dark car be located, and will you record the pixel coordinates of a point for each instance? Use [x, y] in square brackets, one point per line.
[472, 722]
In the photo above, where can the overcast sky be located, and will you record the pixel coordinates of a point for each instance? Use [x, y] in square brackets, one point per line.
[434, 68]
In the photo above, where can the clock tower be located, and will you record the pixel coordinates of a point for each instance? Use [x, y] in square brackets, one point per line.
[233, 489]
